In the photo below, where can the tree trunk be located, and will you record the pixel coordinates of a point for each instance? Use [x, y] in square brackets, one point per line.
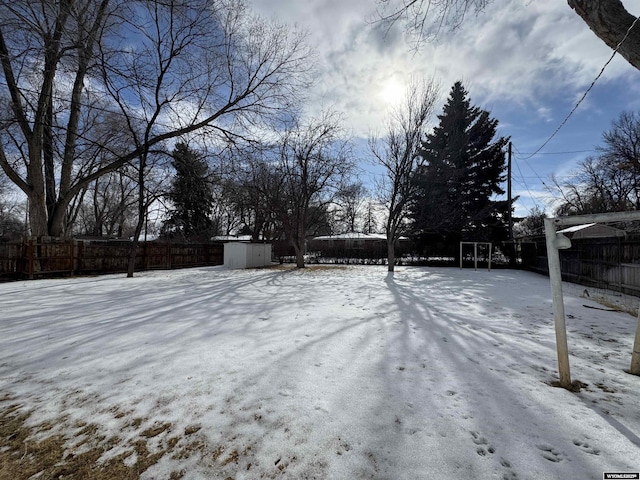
[299, 244]
[299, 249]
[142, 211]
[300, 258]
[610, 21]
[37, 214]
[391, 255]
[58, 217]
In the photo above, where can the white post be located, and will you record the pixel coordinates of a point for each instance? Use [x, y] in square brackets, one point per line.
[460, 255]
[555, 276]
[475, 256]
[635, 355]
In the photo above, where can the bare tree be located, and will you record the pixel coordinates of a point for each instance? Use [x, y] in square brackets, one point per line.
[597, 187]
[11, 212]
[610, 181]
[169, 68]
[532, 224]
[107, 207]
[424, 19]
[350, 201]
[397, 153]
[314, 161]
[255, 191]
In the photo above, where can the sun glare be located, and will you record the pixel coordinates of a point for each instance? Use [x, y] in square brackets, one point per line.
[392, 92]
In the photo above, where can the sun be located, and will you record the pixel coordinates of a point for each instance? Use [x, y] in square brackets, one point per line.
[392, 92]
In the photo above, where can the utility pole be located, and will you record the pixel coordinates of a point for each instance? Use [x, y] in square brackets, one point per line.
[509, 199]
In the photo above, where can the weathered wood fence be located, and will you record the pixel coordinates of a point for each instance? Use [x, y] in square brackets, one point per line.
[48, 257]
[611, 263]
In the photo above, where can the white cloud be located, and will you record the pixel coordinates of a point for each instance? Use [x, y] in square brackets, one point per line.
[526, 62]
[512, 52]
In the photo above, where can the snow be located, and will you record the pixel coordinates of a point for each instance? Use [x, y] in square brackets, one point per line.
[576, 228]
[328, 373]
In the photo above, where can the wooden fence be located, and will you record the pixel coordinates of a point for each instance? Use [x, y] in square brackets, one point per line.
[611, 263]
[47, 257]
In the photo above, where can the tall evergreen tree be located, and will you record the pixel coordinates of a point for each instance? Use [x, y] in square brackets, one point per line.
[192, 196]
[463, 168]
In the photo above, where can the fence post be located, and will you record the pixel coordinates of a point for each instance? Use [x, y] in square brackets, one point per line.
[72, 256]
[80, 257]
[30, 258]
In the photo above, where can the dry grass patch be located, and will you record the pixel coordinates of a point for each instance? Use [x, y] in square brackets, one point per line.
[27, 450]
[75, 450]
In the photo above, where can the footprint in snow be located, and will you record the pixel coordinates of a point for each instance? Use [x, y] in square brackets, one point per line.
[482, 443]
[585, 447]
[549, 453]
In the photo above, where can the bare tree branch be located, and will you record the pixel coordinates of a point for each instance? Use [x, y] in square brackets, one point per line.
[397, 153]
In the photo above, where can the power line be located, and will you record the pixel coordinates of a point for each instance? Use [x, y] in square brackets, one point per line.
[524, 183]
[555, 153]
[584, 95]
[530, 168]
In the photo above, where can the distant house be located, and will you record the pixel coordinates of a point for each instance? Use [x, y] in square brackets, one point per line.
[592, 230]
[348, 241]
[232, 238]
[353, 244]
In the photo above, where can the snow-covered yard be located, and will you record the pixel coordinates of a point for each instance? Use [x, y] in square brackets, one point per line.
[326, 373]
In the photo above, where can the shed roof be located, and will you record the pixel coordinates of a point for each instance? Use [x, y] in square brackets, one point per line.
[592, 230]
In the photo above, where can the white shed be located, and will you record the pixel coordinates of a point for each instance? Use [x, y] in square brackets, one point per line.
[247, 255]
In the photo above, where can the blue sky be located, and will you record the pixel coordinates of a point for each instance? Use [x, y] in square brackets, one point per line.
[528, 63]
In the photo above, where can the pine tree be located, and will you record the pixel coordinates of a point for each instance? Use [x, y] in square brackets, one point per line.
[191, 195]
[463, 168]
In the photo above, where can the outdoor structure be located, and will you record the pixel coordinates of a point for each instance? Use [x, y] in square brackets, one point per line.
[559, 241]
[247, 255]
[475, 253]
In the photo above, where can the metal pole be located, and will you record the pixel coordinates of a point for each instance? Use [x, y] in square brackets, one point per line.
[475, 256]
[460, 255]
[555, 276]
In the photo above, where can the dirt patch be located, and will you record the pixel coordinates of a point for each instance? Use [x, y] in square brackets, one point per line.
[575, 386]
